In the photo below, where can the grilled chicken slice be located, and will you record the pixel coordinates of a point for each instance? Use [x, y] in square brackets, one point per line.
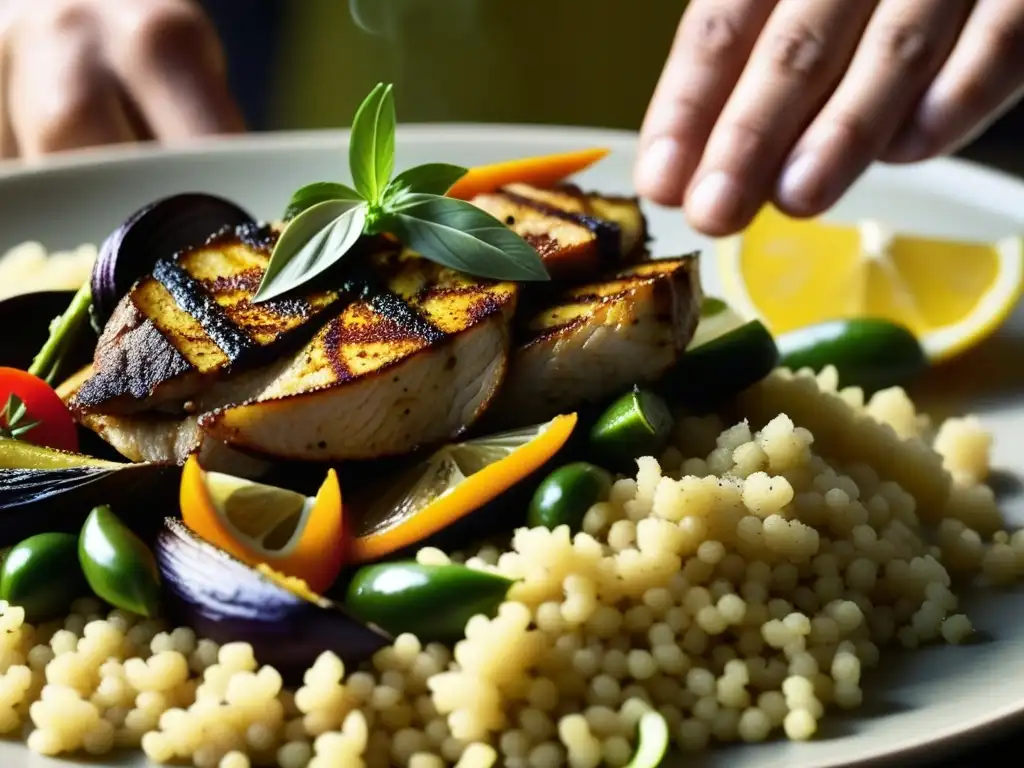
[184, 327]
[597, 340]
[576, 234]
[414, 363]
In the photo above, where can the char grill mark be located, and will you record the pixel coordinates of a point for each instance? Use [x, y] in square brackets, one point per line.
[608, 234]
[193, 299]
[392, 307]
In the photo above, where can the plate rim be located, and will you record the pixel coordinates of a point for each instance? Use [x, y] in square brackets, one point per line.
[1004, 191]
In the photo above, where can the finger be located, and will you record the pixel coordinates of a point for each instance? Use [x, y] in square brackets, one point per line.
[796, 62]
[982, 79]
[903, 46]
[170, 62]
[8, 143]
[711, 46]
[61, 97]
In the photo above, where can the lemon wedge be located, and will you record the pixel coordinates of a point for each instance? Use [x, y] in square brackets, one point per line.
[790, 274]
[262, 525]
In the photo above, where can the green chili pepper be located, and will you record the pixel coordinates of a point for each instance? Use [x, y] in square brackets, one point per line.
[118, 565]
[637, 424]
[433, 602]
[719, 369]
[42, 575]
[564, 496]
[652, 741]
[871, 353]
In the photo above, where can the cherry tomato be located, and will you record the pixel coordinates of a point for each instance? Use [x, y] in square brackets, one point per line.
[56, 428]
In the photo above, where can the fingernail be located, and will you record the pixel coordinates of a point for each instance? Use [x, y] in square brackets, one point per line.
[803, 185]
[659, 171]
[716, 201]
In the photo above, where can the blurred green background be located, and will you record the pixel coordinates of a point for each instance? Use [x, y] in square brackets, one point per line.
[298, 64]
[590, 62]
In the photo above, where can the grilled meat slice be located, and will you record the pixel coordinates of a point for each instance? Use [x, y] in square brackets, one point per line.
[597, 340]
[411, 364]
[185, 326]
[157, 438]
[577, 234]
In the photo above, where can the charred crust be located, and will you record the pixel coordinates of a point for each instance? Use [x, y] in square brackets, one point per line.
[190, 295]
[132, 359]
[258, 236]
[406, 321]
[607, 234]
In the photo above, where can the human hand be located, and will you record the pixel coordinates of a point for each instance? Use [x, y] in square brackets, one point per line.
[789, 101]
[79, 73]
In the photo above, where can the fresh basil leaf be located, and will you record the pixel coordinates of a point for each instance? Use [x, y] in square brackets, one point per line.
[457, 234]
[318, 192]
[431, 179]
[371, 153]
[313, 241]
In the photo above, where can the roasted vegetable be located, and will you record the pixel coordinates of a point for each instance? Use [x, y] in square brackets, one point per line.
[722, 367]
[433, 602]
[439, 493]
[871, 353]
[226, 600]
[31, 411]
[541, 171]
[42, 490]
[119, 567]
[652, 741]
[26, 316]
[261, 524]
[41, 574]
[159, 230]
[564, 496]
[637, 424]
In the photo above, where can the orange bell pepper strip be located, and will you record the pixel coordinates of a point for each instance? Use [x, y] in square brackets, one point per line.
[468, 496]
[541, 171]
[315, 553]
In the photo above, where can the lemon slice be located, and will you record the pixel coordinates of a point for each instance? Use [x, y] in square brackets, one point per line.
[452, 482]
[262, 525]
[790, 274]
[716, 319]
[267, 517]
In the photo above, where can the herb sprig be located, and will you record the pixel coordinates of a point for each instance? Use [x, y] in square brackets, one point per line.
[326, 219]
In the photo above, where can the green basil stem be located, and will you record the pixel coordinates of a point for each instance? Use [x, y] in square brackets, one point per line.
[63, 332]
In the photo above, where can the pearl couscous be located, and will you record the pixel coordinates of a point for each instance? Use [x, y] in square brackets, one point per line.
[739, 584]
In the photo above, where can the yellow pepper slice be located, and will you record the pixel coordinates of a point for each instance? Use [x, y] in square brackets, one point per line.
[263, 525]
[540, 171]
[477, 488]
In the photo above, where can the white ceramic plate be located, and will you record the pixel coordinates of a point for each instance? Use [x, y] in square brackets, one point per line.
[919, 705]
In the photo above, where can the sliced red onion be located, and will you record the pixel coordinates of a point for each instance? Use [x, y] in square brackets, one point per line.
[225, 600]
[156, 231]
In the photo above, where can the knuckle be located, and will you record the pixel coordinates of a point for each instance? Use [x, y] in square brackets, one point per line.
[66, 16]
[742, 143]
[715, 35]
[852, 131]
[906, 43]
[66, 116]
[798, 50]
[1006, 41]
[168, 30]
